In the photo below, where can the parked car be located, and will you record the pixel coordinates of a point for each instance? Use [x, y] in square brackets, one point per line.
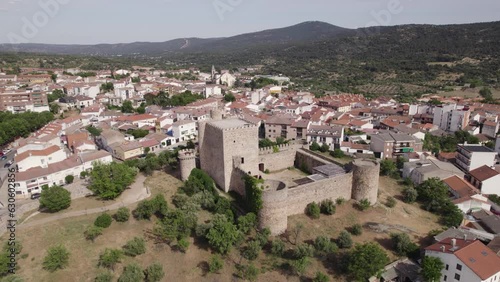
[9, 163]
[6, 151]
[35, 196]
[3, 158]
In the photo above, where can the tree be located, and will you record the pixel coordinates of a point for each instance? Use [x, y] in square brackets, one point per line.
[402, 244]
[299, 266]
[106, 87]
[365, 261]
[344, 241]
[176, 225]
[223, 234]
[388, 168]
[69, 179]
[55, 198]
[122, 214]
[432, 189]
[94, 131]
[109, 258]
[127, 107]
[135, 247]
[486, 93]
[314, 146]
[92, 232]
[247, 222]
[263, 236]
[108, 181]
[132, 273]
[57, 258]
[303, 250]
[410, 194]
[229, 97]
[103, 221]
[54, 108]
[215, 264]
[313, 210]
[320, 277]
[154, 273]
[182, 244]
[363, 205]
[431, 269]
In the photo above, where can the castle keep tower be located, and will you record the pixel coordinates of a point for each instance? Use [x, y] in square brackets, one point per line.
[229, 146]
[274, 214]
[187, 162]
[365, 177]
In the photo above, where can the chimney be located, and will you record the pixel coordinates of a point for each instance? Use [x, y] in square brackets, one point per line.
[465, 237]
[443, 248]
[453, 243]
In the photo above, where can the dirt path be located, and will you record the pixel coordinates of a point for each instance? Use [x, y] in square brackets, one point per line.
[137, 192]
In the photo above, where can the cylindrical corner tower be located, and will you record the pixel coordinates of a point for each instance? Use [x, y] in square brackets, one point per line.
[216, 114]
[365, 178]
[273, 214]
[187, 162]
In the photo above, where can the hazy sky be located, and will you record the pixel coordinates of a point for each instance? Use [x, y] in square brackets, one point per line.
[122, 21]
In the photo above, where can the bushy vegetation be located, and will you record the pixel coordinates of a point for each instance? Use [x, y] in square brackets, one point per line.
[448, 143]
[108, 181]
[92, 232]
[55, 199]
[356, 229]
[215, 264]
[344, 241]
[132, 273]
[103, 221]
[122, 214]
[57, 258]
[327, 207]
[363, 205]
[13, 126]
[313, 210]
[403, 246]
[109, 258]
[154, 273]
[135, 247]
[147, 208]
[325, 246]
[364, 261]
[163, 99]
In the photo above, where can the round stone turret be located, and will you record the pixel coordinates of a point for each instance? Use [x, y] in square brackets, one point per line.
[365, 180]
[187, 162]
[273, 214]
[216, 114]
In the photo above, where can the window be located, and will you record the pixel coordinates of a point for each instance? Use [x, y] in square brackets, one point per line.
[445, 277]
[459, 267]
[457, 276]
[242, 160]
[447, 266]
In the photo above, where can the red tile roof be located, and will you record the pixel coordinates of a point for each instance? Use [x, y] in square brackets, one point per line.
[483, 173]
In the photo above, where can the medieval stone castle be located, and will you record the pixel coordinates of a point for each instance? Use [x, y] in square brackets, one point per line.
[229, 150]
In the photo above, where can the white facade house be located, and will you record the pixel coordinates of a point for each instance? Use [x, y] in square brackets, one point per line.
[465, 260]
[184, 130]
[325, 134]
[497, 145]
[39, 158]
[211, 91]
[451, 117]
[32, 180]
[486, 179]
[472, 156]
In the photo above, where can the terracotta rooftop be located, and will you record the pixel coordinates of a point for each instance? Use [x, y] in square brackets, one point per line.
[45, 152]
[474, 254]
[483, 173]
[462, 187]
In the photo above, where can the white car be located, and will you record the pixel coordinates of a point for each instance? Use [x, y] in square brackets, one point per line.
[6, 151]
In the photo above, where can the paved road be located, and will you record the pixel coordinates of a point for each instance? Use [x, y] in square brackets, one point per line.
[3, 176]
[137, 192]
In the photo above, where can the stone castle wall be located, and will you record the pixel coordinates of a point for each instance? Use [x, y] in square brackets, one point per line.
[307, 161]
[187, 162]
[332, 188]
[274, 213]
[274, 161]
[212, 154]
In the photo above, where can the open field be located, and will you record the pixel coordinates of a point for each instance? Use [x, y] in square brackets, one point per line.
[192, 266]
[468, 93]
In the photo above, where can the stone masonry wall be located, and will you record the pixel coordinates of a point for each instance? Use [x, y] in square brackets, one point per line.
[274, 209]
[305, 160]
[332, 188]
[275, 161]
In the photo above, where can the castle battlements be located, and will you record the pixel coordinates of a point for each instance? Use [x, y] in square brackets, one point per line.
[187, 154]
[272, 149]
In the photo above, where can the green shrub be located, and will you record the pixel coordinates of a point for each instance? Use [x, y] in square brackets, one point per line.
[122, 214]
[337, 153]
[247, 222]
[324, 246]
[299, 266]
[363, 205]
[57, 258]
[303, 250]
[263, 236]
[92, 232]
[328, 207]
[183, 244]
[356, 230]
[252, 250]
[277, 247]
[132, 273]
[55, 198]
[135, 247]
[320, 277]
[154, 273]
[313, 210]
[215, 264]
[109, 258]
[247, 272]
[340, 201]
[391, 202]
[410, 195]
[344, 241]
[103, 221]
[69, 179]
[104, 277]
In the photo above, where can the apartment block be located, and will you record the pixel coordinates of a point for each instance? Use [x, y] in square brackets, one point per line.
[20, 102]
[391, 145]
[451, 117]
[472, 156]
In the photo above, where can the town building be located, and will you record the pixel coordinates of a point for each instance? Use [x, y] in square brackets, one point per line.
[391, 145]
[326, 134]
[23, 101]
[472, 156]
[451, 117]
[486, 179]
[466, 260]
